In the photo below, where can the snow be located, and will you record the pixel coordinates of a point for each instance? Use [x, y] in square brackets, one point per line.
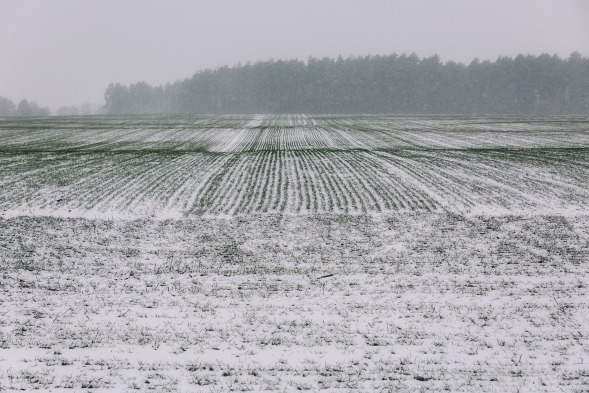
[367, 268]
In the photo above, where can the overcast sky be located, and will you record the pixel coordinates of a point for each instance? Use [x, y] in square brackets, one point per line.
[64, 52]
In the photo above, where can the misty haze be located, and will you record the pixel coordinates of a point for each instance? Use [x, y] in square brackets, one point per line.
[280, 196]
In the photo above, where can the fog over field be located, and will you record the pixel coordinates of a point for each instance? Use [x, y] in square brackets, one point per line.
[66, 52]
[264, 196]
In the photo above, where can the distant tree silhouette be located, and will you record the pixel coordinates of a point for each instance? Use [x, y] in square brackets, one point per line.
[7, 107]
[372, 84]
[85, 109]
[68, 111]
[24, 109]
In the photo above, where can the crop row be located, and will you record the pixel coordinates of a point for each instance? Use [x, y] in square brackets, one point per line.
[96, 184]
[524, 180]
[287, 133]
[305, 182]
[294, 182]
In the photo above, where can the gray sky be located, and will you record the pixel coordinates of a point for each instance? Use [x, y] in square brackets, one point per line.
[64, 52]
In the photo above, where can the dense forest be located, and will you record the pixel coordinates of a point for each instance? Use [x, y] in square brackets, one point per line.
[373, 84]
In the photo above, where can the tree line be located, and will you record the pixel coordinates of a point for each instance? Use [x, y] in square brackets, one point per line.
[32, 109]
[403, 84]
[23, 109]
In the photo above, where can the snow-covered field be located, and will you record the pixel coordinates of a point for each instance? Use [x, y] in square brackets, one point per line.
[279, 253]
